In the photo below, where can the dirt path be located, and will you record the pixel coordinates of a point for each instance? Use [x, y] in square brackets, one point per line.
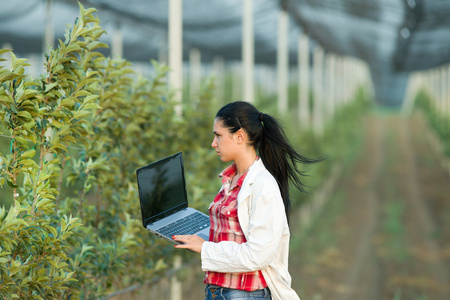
[384, 233]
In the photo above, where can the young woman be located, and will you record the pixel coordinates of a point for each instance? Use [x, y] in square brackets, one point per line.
[246, 256]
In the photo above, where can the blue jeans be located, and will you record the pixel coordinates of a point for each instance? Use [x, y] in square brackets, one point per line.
[214, 292]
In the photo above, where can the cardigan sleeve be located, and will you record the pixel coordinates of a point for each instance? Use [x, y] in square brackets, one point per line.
[266, 222]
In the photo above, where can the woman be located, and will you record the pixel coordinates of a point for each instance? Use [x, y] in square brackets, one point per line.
[246, 256]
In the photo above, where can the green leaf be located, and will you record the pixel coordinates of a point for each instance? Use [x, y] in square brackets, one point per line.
[90, 98]
[56, 123]
[58, 68]
[81, 113]
[81, 93]
[86, 248]
[32, 137]
[6, 75]
[5, 100]
[13, 58]
[52, 230]
[43, 278]
[14, 222]
[28, 163]
[65, 129]
[59, 146]
[3, 51]
[64, 223]
[51, 86]
[73, 48]
[68, 102]
[27, 103]
[12, 184]
[29, 125]
[31, 83]
[92, 105]
[28, 154]
[44, 201]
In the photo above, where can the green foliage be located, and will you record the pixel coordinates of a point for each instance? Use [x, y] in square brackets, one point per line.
[35, 239]
[78, 133]
[437, 120]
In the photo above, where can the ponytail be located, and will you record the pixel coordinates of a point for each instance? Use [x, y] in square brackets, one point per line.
[268, 138]
[281, 159]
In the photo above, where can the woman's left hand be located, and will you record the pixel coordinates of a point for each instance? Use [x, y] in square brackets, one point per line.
[192, 242]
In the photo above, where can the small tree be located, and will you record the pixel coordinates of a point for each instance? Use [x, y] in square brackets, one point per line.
[78, 133]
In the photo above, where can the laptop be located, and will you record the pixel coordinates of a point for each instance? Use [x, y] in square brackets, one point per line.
[164, 203]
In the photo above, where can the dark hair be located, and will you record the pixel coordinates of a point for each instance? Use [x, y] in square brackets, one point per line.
[267, 136]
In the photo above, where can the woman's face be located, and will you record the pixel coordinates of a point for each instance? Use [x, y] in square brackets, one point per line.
[224, 142]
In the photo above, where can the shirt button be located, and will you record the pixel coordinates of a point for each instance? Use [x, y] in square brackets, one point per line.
[228, 212]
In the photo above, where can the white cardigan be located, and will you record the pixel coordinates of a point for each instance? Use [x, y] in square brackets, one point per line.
[263, 221]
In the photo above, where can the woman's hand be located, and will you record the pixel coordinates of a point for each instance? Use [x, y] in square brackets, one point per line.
[192, 242]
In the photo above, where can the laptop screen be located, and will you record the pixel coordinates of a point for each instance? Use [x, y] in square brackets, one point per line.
[162, 188]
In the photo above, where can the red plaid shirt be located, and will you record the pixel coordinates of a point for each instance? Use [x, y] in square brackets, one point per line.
[225, 227]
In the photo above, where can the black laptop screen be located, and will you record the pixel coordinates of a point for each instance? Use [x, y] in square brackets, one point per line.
[162, 188]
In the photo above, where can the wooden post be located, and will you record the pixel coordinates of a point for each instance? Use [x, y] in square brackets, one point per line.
[175, 284]
[162, 52]
[36, 63]
[410, 92]
[442, 89]
[427, 81]
[331, 86]
[447, 94]
[176, 83]
[248, 52]
[347, 79]
[338, 78]
[49, 35]
[219, 78]
[436, 83]
[195, 71]
[318, 95]
[283, 61]
[236, 81]
[351, 78]
[303, 80]
[176, 51]
[117, 41]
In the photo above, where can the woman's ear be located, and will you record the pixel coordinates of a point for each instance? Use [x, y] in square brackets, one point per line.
[240, 136]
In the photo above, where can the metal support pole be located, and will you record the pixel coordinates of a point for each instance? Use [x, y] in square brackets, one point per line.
[195, 71]
[303, 80]
[175, 284]
[117, 41]
[318, 95]
[248, 52]
[49, 35]
[48, 42]
[331, 86]
[219, 71]
[283, 61]
[176, 51]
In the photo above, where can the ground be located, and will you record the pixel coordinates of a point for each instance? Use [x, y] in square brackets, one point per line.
[385, 231]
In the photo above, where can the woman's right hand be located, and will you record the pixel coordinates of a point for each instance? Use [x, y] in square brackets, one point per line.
[192, 242]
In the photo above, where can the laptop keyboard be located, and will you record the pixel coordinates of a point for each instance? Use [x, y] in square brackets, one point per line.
[187, 225]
